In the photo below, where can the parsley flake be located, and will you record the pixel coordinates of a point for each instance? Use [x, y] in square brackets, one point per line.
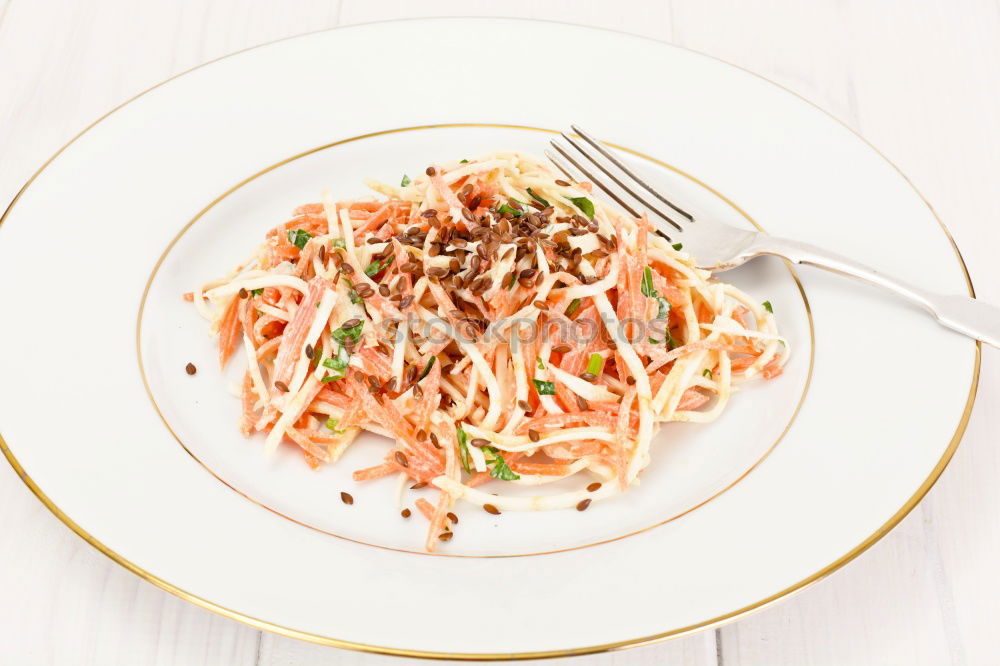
[463, 448]
[544, 388]
[500, 470]
[537, 198]
[298, 237]
[585, 205]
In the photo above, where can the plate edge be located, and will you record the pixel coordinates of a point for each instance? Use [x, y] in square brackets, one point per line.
[884, 529]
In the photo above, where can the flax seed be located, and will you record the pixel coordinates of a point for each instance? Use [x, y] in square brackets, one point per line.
[190, 369]
[582, 506]
[489, 508]
[401, 459]
[346, 498]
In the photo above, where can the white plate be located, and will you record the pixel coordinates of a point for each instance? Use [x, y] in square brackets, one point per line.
[181, 182]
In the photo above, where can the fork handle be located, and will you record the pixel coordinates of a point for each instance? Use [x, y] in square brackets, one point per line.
[968, 316]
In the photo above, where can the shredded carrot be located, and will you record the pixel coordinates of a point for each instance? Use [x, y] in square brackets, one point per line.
[457, 256]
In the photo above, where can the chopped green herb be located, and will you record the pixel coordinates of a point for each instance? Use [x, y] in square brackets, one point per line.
[298, 237]
[257, 292]
[430, 364]
[664, 307]
[537, 198]
[339, 242]
[654, 341]
[677, 246]
[706, 373]
[463, 448]
[406, 181]
[500, 469]
[464, 162]
[331, 378]
[513, 281]
[357, 300]
[352, 332]
[767, 306]
[377, 267]
[541, 366]
[338, 362]
[595, 364]
[671, 343]
[332, 424]
[505, 208]
[585, 205]
[544, 388]
[647, 283]
[574, 305]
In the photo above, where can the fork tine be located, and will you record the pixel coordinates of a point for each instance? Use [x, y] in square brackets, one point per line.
[638, 197]
[614, 160]
[555, 159]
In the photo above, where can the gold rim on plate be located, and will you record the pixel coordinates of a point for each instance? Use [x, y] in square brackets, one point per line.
[645, 640]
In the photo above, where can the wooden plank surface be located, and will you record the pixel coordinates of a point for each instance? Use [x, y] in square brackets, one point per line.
[920, 80]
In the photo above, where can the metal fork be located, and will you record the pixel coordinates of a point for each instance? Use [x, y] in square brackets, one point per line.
[717, 246]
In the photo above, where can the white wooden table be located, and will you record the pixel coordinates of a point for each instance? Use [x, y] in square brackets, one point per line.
[921, 80]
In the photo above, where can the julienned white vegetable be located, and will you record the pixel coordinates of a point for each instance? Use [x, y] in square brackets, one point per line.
[462, 344]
